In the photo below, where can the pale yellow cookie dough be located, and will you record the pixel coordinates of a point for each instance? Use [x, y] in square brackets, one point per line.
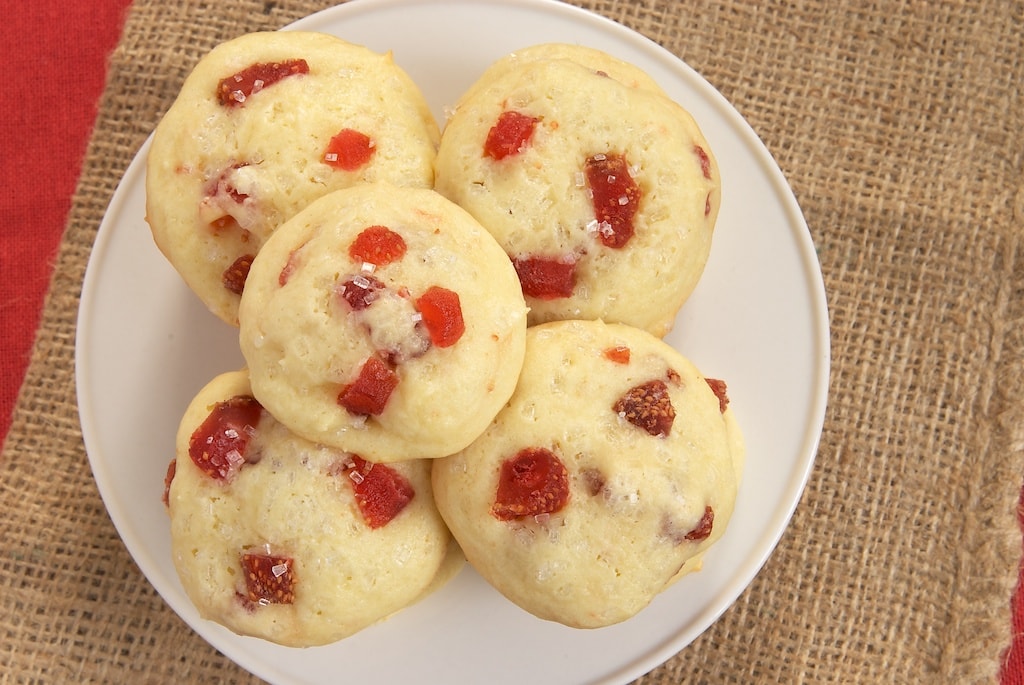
[305, 344]
[221, 178]
[295, 500]
[637, 502]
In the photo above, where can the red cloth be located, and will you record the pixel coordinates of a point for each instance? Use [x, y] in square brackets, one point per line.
[55, 56]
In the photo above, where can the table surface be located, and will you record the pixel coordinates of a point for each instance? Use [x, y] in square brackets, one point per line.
[54, 83]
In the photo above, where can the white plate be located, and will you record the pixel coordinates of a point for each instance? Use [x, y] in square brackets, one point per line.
[758, 319]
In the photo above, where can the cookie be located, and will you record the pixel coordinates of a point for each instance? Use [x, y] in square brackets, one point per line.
[263, 125]
[609, 474]
[385, 321]
[276, 537]
[604, 195]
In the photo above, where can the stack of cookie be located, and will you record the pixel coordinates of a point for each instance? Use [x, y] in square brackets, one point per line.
[452, 340]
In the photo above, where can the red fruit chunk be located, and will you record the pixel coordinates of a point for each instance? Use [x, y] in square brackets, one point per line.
[648, 406]
[718, 387]
[381, 492]
[234, 276]
[349, 150]
[618, 354]
[616, 198]
[360, 291]
[509, 135]
[269, 578]
[377, 245]
[531, 483]
[442, 315]
[546, 278]
[368, 394]
[705, 161]
[234, 90]
[703, 529]
[219, 445]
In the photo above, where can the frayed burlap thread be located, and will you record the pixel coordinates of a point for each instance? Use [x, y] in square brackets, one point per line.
[897, 125]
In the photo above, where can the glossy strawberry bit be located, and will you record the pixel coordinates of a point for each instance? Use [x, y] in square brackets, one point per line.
[531, 483]
[269, 578]
[349, 150]
[647, 406]
[381, 492]
[616, 198]
[234, 90]
[368, 394]
[719, 388]
[618, 354]
[219, 446]
[546, 278]
[377, 245]
[442, 315]
[234, 276]
[360, 291]
[509, 135]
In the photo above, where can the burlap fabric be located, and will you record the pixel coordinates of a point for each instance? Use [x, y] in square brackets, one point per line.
[898, 125]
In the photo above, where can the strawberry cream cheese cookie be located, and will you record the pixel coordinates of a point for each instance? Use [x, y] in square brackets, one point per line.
[385, 321]
[611, 471]
[264, 124]
[280, 538]
[603, 192]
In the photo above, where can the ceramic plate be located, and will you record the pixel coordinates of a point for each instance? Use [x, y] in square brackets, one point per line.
[758, 319]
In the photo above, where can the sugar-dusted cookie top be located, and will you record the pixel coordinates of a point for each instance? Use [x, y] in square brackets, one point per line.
[611, 471]
[264, 124]
[604, 195]
[385, 321]
[280, 538]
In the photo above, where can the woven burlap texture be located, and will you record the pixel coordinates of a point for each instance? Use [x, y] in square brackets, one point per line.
[897, 125]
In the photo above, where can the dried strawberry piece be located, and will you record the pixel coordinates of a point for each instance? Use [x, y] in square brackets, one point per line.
[381, 492]
[703, 528]
[546, 278]
[360, 291]
[234, 90]
[172, 469]
[219, 446]
[349, 150]
[442, 315]
[234, 276]
[702, 531]
[269, 578]
[616, 198]
[377, 245]
[719, 388]
[648, 406]
[705, 161]
[531, 483]
[509, 135]
[368, 394]
[618, 354]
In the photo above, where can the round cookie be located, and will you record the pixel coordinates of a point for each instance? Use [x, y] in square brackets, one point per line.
[283, 539]
[604, 195]
[613, 468]
[385, 321]
[264, 124]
